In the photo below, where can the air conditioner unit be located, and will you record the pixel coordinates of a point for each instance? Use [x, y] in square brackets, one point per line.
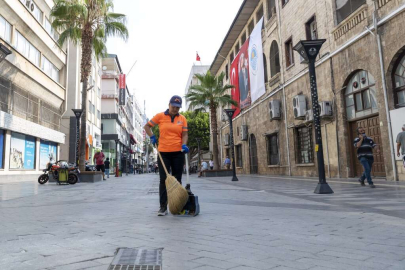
[224, 117]
[30, 5]
[275, 109]
[309, 116]
[226, 139]
[299, 106]
[325, 109]
[244, 133]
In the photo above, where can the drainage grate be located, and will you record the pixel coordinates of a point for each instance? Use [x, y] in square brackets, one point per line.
[137, 259]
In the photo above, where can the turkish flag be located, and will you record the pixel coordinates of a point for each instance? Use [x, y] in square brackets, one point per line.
[198, 57]
[235, 94]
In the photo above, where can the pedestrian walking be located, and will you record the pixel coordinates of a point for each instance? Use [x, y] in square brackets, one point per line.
[204, 167]
[107, 167]
[172, 145]
[99, 160]
[227, 163]
[401, 144]
[365, 147]
[211, 164]
[156, 168]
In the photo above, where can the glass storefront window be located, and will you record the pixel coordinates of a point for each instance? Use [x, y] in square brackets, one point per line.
[22, 151]
[47, 152]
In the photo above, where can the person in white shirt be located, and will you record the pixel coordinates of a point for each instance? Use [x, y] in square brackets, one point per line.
[211, 164]
[204, 167]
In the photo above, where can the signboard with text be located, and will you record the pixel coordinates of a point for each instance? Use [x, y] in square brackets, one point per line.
[122, 86]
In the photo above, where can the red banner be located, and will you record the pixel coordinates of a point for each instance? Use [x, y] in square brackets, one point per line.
[122, 81]
[243, 68]
[235, 82]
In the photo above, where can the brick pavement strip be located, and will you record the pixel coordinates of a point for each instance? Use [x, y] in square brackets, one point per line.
[256, 223]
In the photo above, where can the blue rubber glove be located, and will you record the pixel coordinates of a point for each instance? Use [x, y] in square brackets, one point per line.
[184, 148]
[153, 139]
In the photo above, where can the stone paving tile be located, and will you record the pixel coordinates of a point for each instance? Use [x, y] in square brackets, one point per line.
[251, 262]
[254, 223]
[204, 267]
[80, 265]
[216, 263]
[289, 263]
[345, 255]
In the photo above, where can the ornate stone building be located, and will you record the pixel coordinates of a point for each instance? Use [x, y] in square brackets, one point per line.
[359, 82]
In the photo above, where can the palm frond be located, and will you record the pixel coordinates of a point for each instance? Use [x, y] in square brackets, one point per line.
[117, 29]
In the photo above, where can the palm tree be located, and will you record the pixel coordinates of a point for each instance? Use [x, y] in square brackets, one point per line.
[88, 23]
[210, 93]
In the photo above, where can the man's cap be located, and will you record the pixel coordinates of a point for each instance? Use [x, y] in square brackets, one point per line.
[176, 101]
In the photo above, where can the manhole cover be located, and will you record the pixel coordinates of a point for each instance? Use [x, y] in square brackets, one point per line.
[137, 259]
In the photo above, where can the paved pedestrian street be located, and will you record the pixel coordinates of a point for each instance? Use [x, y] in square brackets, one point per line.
[257, 223]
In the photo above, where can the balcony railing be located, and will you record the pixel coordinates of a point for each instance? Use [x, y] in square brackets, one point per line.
[382, 3]
[19, 102]
[350, 22]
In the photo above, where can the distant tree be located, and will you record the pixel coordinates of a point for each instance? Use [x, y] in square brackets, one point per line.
[198, 127]
[210, 93]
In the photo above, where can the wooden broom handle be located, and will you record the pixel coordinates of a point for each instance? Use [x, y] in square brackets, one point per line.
[164, 166]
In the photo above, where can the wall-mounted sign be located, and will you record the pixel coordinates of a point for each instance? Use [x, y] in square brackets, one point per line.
[122, 87]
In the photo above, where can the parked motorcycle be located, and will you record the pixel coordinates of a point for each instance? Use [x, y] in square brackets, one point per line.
[61, 171]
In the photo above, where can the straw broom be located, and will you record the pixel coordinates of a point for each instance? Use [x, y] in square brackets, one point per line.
[177, 195]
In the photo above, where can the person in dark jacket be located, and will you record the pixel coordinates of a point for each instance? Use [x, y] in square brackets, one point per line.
[365, 146]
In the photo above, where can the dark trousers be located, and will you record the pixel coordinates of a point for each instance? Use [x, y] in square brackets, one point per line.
[367, 163]
[174, 162]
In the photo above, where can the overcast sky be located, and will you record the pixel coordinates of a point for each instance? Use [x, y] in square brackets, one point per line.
[163, 38]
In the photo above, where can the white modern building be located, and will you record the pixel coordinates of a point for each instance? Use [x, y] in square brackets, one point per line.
[117, 137]
[192, 79]
[33, 83]
[74, 101]
[138, 132]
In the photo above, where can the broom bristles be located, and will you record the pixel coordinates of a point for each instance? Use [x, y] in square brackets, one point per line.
[177, 195]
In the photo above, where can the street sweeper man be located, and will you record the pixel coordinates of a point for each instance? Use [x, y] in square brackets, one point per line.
[172, 145]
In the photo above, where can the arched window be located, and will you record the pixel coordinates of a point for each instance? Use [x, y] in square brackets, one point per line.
[274, 59]
[360, 95]
[399, 83]
[266, 79]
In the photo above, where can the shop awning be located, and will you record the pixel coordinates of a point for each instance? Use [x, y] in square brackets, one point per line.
[133, 141]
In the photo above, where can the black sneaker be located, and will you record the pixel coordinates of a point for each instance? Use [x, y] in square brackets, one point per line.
[372, 186]
[362, 182]
[162, 211]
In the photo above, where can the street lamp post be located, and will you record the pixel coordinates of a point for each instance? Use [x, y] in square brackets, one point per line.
[4, 51]
[198, 139]
[230, 113]
[78, 113]
[117, 173]
[309, 49]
